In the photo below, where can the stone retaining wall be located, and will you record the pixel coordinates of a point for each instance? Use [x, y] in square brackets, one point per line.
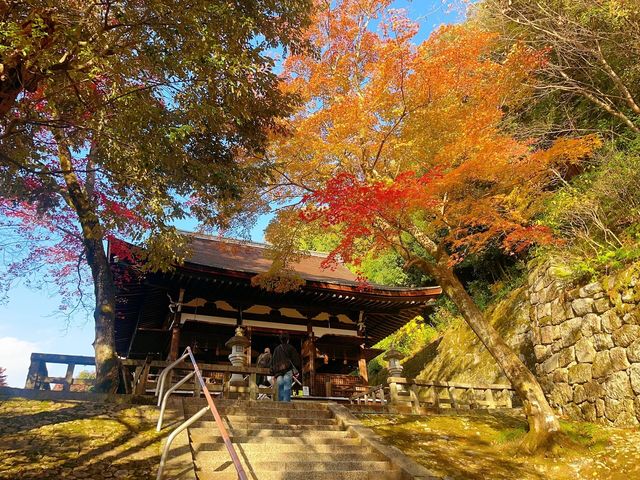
[587, 345]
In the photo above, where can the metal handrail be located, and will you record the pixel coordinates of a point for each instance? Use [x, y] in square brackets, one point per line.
[163, 375]
[162, 400]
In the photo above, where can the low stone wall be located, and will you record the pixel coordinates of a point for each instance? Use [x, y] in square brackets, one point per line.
[586, 342]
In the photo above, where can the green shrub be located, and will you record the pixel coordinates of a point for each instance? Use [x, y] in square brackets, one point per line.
[597, 215]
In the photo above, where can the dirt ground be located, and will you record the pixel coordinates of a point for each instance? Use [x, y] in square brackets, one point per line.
[485, 446]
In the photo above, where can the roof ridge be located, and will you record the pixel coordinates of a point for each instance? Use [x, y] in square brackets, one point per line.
[250, 243]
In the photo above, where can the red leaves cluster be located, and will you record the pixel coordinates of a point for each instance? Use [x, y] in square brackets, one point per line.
[366, 209]
[121, 211]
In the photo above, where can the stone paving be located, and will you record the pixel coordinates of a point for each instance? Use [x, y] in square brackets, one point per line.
[77, 440]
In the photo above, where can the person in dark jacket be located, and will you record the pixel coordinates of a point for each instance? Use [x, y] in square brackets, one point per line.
[285, 363]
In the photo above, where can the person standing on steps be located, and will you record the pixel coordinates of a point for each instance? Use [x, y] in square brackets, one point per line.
[264, 361]
[285, 363]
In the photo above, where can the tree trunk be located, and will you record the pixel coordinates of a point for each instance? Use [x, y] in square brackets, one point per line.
[104, 315]
[107, 371]
[543, 423]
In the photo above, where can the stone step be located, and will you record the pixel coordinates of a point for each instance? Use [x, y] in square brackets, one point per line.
[389, 474]
[301, 456]
[343, 445]
[266, 420]
[235, 419]
[263, 435]
[205, 437]
[375, 408]
[265, 412]
[240, 425]
[293, 466]
[252, 404]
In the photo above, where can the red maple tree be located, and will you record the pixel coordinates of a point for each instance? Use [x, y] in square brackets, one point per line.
[405, 147]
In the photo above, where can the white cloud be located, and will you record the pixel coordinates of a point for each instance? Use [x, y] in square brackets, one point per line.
[15, 356]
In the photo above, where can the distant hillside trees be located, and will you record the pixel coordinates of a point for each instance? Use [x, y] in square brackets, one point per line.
[589, 81]
[591, 77]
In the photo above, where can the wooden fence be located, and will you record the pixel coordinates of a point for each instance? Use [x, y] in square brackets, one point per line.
[141, 379]
[377, 395]
[419, 394]
[337, 385]
[38, 377]
[139, 376]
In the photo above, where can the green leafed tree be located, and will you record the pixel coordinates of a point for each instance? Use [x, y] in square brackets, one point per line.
[118, 118]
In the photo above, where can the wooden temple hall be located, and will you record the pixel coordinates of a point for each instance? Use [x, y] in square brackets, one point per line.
[331, 320]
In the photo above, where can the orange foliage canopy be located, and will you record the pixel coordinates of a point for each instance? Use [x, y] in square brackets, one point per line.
[396, 138]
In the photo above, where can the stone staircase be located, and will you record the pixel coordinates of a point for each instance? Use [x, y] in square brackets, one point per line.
[285, 441]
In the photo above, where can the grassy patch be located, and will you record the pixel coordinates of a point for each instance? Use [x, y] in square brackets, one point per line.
[586, 435]
[480, 445]
[511, 434]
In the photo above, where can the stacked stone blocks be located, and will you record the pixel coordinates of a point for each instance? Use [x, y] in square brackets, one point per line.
[586, 342]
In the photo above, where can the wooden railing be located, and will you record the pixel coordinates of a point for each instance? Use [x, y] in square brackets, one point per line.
[142, 376]
[436, 395]
[422, 393]
[370, 396]
[337, 385]
[38, 377]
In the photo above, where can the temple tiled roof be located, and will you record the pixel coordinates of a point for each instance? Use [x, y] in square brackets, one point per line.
[250, 257]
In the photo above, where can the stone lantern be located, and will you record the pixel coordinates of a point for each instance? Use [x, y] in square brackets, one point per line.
[393, 356]
[237, 343]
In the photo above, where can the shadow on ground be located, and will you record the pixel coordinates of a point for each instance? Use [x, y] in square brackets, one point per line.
[55, 440]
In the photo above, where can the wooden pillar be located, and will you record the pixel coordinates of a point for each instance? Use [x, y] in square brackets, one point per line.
[309, 358]
[175, 341]
[362, 366]
[309, 361]
[174, 349]
[37, 372]
[68, 378]
[362, 360]
[247, 350]
[239, 318]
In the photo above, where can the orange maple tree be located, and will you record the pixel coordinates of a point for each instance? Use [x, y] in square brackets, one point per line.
[403, 146]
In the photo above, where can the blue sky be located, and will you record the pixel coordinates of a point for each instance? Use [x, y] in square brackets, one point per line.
[29, 323]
